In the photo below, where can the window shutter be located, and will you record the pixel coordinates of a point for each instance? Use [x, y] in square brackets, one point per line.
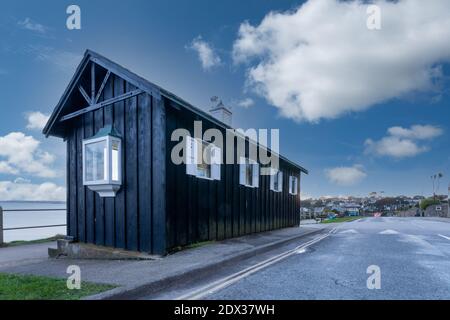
[290, 184]
[216, 161]
[105, 164]
[280, 181]
[242, 165]
[255, 179]
[272, 181]
[191, 156]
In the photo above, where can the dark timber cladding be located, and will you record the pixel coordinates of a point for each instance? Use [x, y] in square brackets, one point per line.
[124, 221]
[202, 209]
[158, 206]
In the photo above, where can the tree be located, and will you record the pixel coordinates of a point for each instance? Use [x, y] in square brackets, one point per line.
[437, 177]
[425, 203]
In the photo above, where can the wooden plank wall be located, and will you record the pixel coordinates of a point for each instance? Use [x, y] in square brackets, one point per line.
[130, 220]
[159, 206]
[200, 209]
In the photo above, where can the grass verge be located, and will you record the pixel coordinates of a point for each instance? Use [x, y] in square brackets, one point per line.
[27, 287]
[343, 219]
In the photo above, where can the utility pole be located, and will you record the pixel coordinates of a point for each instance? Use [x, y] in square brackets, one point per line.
[433, 179]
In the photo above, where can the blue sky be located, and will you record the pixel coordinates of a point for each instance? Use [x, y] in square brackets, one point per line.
[363, 110]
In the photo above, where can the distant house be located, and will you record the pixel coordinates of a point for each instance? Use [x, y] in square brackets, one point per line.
[319, 211]
[306, 213]
[437, 210]
[411, 212]
[336, 208]
[306, 210]
[351, 209]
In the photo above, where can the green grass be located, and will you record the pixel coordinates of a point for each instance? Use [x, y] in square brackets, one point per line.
[23, 242]
[25, 287]
[343, 219]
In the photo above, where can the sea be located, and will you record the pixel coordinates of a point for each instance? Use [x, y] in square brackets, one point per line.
[39, 217]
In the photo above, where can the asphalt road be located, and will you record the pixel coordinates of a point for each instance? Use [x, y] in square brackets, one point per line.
[413, 256]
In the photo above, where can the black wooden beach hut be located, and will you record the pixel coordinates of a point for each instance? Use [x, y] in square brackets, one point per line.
[124, 190]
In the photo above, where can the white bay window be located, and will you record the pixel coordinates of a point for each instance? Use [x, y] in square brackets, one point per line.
[102, 162]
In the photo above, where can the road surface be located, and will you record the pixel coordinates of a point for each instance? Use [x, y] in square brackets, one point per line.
[412, 254]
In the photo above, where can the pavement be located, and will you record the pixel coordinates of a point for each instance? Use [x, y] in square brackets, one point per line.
[413, 256]
[135, 279]
[308, 221]
[24, 254]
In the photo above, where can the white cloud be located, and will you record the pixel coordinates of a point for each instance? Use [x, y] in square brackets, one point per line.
[21, 154]
[394, 147]
[24, 190]
[246, 103]
[321, 61]
[346, 176]
[7, 169]
[418, 132]
[403, 142]
[22, 180]
[64, 60]
[31, 25]
[36, 120]
[206, 54]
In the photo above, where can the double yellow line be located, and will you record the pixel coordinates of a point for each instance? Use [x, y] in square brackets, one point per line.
[229, 280]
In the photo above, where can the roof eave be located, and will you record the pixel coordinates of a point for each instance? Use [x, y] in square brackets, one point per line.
[54, 116]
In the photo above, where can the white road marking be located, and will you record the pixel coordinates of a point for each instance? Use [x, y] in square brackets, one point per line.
[349, 231]
[229, 280]
[445, 237]
[388, 231]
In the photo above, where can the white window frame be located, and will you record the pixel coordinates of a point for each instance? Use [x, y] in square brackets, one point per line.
[107, 187]
[192, 161]
[279, 174]
[243, 163]
[293, 180]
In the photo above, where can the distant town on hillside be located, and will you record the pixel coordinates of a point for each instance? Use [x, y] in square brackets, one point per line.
[376, 204]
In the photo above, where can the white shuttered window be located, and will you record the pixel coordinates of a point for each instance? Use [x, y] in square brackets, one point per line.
[293, 185]
[248, 173]
[203, 159]
[276, 181]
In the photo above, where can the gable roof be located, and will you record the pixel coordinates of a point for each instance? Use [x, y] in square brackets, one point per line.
[134, 79]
